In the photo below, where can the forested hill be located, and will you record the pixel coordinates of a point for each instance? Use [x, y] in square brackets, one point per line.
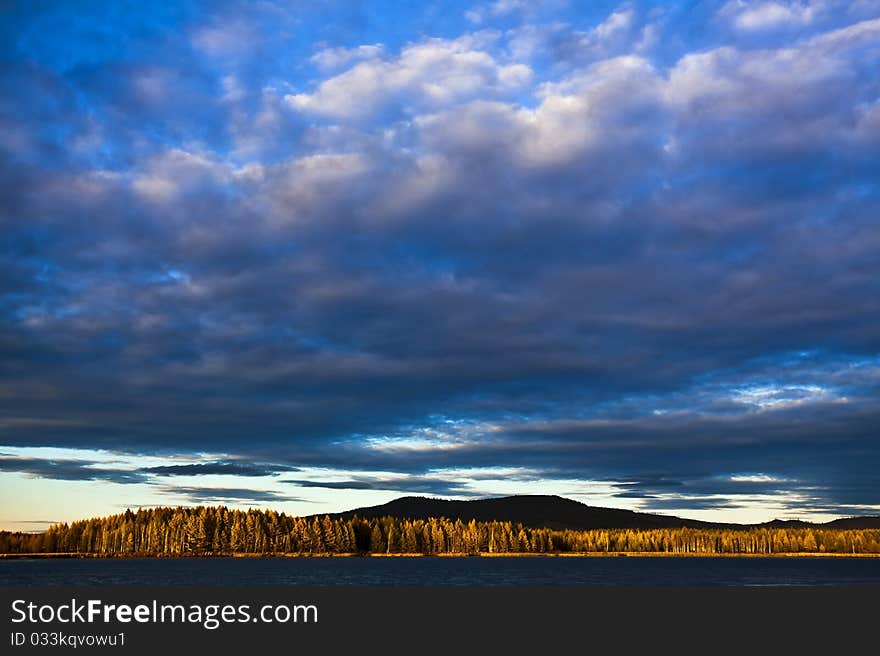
[535, 511]
[221, 531]
[559, 513]
[854, 523]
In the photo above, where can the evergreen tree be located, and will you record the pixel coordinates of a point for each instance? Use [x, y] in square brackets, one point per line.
[203, 531]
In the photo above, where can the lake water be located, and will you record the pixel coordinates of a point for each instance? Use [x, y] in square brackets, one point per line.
[446, 571]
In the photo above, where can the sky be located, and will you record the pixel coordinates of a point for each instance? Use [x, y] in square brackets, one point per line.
[317, 255]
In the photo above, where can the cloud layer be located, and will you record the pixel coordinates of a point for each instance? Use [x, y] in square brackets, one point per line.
[631, 245]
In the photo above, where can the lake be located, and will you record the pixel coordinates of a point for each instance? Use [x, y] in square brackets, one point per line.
[500, 571]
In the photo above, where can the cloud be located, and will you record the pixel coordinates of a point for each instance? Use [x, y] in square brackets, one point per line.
[226, 467]
[537, 245]
[226, 38]
[408, 485]
[757, 16]
[614, 33]
[725, 487]
[434, 73]
[69, 470]
[505, 9]
[86, 470]
[711, 86]
[328, 59]
[173, 173]
[215, 495]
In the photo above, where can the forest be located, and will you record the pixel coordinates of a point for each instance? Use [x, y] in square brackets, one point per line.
[219, 531]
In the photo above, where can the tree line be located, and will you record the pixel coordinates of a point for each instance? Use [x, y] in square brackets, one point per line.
[206, 531]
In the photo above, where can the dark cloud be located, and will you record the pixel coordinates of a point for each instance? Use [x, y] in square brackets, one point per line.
[693, 503]
[227, 467]
[628, 254]
[213, 495]
[69, 470]
[409, 485]
[661, 494]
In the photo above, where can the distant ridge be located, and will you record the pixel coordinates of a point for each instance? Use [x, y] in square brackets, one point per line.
[854, 523]
[559, 513]
[536, 511]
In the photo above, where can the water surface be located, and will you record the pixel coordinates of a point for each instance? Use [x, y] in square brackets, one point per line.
[445, 571]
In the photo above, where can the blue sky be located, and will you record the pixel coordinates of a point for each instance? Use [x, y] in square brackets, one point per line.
[317, 255]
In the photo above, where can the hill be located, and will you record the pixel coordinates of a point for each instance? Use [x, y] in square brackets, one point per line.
[559, 513]
[401, 527]
[536, 511]
[854, 523]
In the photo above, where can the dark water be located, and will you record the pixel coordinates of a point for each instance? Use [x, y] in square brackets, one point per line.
[446, 571]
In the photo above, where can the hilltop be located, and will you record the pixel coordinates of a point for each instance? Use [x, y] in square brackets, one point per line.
[559, 513]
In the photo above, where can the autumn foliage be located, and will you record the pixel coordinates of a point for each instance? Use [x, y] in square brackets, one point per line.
[206, 531]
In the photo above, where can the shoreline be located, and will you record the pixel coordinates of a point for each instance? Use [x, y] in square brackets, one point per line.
[602, 554]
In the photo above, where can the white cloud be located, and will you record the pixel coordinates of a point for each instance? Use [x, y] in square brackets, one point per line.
[525, 41]
[224, 39]
[460, 105]
[616, 34]
[499, 8]
[473, 16]
[233, 91]
[580, 111]
[619, 33]
[615, 24]
[505, 8]
[502, 7]
[430, 74]
[847, 37]
[804, 82]
[335, 58]
[772, 397]
[174, 172]
[758, 16]
[258, 130]
[756, 478]
[581, 116]
[791, 98]
[306, 188]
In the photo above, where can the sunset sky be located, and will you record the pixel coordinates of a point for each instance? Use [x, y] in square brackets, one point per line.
[318, 255]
